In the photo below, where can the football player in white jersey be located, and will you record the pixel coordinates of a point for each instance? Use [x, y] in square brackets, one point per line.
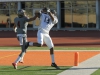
[47, 20]
[20, 28]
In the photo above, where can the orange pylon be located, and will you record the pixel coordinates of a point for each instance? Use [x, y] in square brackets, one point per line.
[76, 59]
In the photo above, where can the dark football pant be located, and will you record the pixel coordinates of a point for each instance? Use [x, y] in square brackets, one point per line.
[23, 43]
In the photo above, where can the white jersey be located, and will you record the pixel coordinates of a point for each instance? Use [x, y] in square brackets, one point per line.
[46, 22]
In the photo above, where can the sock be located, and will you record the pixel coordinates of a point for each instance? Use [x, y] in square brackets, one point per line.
[18, 59]
[30, 43]
[52, 58]
[21, 60]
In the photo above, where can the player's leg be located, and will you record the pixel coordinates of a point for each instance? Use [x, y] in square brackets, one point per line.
[49, 43]
[22, 44]
[26, 46]
[39, 42]
[40, 38]
[23, 47]
[26, 43]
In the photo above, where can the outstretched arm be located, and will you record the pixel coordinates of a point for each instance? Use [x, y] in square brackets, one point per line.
[51, 15]
[32, 19]
[54, 18]
[37, 14]
[14, 26]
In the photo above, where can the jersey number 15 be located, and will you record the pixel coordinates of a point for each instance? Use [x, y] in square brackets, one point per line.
[47, 20]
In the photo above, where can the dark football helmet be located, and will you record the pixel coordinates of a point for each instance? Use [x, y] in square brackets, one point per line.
[21, 13]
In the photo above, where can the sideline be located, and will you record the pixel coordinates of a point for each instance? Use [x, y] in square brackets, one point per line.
[85, 68]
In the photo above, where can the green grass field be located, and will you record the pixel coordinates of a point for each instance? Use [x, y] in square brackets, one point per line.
[56, 48]
[96, 72]
[40, 70]
[30, 70]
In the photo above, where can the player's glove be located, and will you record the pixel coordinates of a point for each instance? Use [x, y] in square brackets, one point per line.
[15, 29]
[48, 10]
[41, 11]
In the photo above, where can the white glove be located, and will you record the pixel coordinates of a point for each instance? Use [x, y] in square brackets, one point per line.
[15, 29]
[41, 11]
[48, 10]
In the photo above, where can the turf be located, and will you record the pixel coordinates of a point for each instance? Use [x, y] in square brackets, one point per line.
[31, 70]
[40, 70]
[56, 48]
[96, 72]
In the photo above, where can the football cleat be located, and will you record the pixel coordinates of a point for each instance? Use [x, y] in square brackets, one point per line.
[14, 65]
[54, 65]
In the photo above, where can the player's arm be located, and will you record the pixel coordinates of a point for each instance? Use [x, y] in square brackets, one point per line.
[32, 19]
[14, 28]
[54, 18]
[50, 14]
[37, 15]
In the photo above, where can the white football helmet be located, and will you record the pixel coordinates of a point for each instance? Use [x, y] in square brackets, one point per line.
[21, 13]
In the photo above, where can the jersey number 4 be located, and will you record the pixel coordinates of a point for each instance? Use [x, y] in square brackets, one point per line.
[18, 24]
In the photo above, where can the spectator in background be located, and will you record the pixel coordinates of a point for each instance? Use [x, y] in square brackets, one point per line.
[8, 22]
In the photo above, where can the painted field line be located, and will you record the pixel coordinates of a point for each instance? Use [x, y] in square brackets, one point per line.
[54, 50]
[8, 56]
